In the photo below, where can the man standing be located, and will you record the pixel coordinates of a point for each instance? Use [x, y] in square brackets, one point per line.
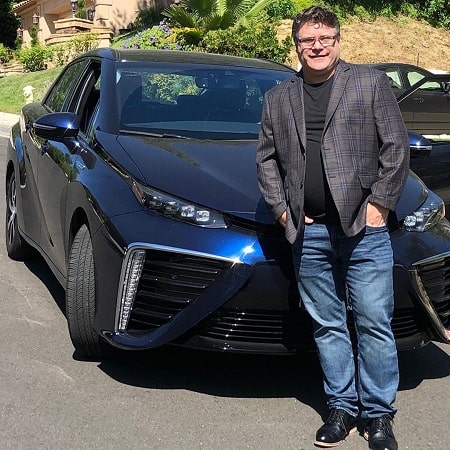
[332, 160]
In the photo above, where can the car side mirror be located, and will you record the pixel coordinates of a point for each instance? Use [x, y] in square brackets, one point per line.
[57, 126]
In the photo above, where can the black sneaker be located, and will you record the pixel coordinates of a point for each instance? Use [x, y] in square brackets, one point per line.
[379, 433]
[335, 429]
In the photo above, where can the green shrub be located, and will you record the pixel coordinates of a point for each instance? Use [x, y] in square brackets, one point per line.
[63, 53]
[409, 10]
[363, 14]
[81, 9]
[34, 58]
[60, 54]
[83, 42]
[365, 9]
[437, 13]
[34, 36]
[282, 9]
[156, 37]
[300, 5]
[258, 39]
[5, 54]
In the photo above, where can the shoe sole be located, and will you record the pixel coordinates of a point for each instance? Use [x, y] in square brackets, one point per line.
[334, 444]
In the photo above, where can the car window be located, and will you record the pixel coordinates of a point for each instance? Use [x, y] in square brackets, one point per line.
[394, 78]
[200, 101]
[59, 94]
[415, 76]
[86, 103]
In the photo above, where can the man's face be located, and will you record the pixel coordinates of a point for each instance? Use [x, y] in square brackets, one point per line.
[318, 57]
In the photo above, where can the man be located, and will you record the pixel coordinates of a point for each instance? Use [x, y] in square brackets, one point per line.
[332, 160]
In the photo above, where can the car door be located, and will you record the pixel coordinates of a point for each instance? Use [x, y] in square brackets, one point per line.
[399, 85]
[58, 168]
[35, 150]
[431, 104]
[28, 174]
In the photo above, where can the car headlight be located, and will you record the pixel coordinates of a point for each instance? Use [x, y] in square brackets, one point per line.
[176, 208]
[431, 212]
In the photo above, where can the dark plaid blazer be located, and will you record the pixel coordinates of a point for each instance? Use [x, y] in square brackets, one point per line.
[365, 147]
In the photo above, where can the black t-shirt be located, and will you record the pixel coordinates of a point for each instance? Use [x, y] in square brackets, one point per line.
[319, 204]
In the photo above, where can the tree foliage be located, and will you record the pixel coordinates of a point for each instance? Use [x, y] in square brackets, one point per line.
[435, 12]
[10, 23]
[208, 15]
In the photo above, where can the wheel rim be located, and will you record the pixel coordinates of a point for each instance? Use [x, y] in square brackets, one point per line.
[11, 222]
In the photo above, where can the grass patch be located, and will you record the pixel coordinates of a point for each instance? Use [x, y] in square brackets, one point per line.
[11, 88]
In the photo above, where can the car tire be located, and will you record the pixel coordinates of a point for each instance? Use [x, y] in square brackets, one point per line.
[80, 299]
[16, 247]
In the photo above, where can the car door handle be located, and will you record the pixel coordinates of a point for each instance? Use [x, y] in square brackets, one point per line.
[418, 99]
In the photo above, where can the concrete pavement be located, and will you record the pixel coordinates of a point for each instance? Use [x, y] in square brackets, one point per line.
[7, 120]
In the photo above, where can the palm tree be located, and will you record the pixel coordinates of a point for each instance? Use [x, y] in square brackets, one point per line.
[208, 15]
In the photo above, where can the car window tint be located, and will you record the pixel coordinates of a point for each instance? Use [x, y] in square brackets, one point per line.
[197, 101]
[60, 91]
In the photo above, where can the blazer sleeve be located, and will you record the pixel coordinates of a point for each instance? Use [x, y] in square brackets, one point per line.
[270, 179]
[394, 146]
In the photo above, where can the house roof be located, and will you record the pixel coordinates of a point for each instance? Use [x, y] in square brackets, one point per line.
[23, 5]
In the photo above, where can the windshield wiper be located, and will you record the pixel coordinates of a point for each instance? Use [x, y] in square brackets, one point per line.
[157, 135]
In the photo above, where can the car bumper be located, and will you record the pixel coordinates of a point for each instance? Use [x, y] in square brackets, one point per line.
[243, 297]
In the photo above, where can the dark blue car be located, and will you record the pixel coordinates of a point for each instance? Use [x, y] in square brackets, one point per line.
[135, 179]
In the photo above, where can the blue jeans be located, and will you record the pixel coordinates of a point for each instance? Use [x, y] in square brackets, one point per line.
[336, 273]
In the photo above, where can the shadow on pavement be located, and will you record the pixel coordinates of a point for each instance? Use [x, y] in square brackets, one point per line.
[238, 375]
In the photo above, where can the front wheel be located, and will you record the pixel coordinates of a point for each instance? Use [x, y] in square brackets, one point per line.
[16, 247]
[80, 299]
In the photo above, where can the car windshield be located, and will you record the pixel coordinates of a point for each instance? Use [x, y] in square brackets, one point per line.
[193, 101]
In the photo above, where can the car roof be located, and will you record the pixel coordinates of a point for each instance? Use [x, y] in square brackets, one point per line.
[180, 56]
[398, 64]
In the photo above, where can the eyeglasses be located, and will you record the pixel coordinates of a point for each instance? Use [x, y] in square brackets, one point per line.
[324, 41]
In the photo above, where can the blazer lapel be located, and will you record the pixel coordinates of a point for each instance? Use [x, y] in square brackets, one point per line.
[297, 106]
[341, 77]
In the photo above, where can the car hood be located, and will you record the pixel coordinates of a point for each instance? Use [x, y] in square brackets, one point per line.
[216, 174]
[219, 174]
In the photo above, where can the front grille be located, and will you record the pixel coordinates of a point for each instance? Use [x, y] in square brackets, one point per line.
[243, 326]
[170, 282]
[435, 277]
[290, 328]
[406, 323]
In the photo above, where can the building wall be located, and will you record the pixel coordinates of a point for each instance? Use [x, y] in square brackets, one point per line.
[113, 14]
[122, 13]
